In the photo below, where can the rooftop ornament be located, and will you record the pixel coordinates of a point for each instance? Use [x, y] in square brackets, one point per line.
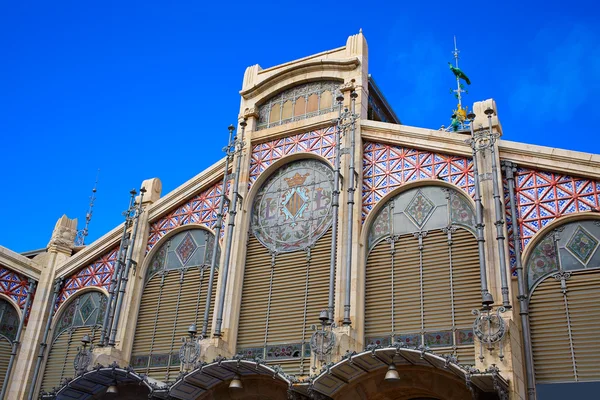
[459, 121]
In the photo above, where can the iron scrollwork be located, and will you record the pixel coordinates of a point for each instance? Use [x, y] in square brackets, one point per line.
[489, 328]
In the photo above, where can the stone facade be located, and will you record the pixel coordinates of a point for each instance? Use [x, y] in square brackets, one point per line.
[552, 187]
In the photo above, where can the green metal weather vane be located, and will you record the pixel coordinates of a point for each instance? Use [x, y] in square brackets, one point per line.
[459, 115]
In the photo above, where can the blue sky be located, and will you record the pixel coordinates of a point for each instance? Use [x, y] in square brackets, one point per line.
[147, 89]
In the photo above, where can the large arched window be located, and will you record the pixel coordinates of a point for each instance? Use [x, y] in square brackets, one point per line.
[300, 102]
[174, 297]
[563, 271]
[286, 275]
[82, 316]
[9, 324]
[422, 272]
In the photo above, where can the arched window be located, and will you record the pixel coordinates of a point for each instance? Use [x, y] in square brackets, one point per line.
[174, 297]
[300, 102]
[9, 324]
[286, 275]
[82, 316]
[422, 272]
[563, 271]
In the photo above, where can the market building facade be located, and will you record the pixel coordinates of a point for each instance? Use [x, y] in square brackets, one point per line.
[334, 253]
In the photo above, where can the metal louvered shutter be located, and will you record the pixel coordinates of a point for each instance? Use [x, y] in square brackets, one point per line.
[169, 306]
[558, 320]
[433, 291]
[5, 350]
[280, 304]
[59, 363]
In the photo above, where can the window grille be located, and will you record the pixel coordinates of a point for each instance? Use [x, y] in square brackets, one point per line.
[300, 102]
[83, 316]
[174, 297]
[422, 273]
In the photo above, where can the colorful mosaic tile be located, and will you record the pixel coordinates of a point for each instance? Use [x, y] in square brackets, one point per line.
[386, 167]
[252, 352]
[320, 141]
[140, 361]
[378, 341]
[9, 320]
[284, 351]
[541, 197]
[201, 209]
[293, 208]
[186, 248]
[438, 339]
[98, 274]
[159, 360]
[543, 260]
[419, 209]
[464, 336]
[413, 339]
[582, 245]
[14, 285]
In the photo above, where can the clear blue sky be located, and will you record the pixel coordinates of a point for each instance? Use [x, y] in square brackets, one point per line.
[147, 89]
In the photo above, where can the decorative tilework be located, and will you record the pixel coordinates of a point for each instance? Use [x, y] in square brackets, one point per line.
[320, 141]
[186, 248]
[9, 320]
[543, 260]
[438, 339]
[412, 339]
[541, 197]
[292, 210]
[284, 351]
[464, 336]
[582, 245]
[378, 341]
[98, 274]
[386, 167]
[201, 209]
[419, 209]
[14, 285]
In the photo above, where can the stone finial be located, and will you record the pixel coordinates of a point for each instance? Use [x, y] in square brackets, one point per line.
[356, 45]
[63, 236]
[153, 189]
[481, 119]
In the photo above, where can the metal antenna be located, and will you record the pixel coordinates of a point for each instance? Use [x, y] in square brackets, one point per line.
[459, 89]
[81, 235]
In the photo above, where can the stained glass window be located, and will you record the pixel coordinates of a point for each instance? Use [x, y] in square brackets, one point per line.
[570, 247]
[423, 208]
[85, 310]
[9, 320]
[189, 248]
[292, 210]
[300, 102]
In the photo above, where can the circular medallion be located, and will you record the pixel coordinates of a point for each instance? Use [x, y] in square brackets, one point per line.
[292, 210]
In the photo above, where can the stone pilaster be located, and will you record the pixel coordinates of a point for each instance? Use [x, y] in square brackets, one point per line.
[60, 248]
[121, 352]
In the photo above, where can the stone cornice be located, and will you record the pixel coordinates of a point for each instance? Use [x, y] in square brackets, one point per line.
[525, 155]
[19, 263]
[299, 69]
[408, 136]
[551, 159]
[293, 128]
[91, 252]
